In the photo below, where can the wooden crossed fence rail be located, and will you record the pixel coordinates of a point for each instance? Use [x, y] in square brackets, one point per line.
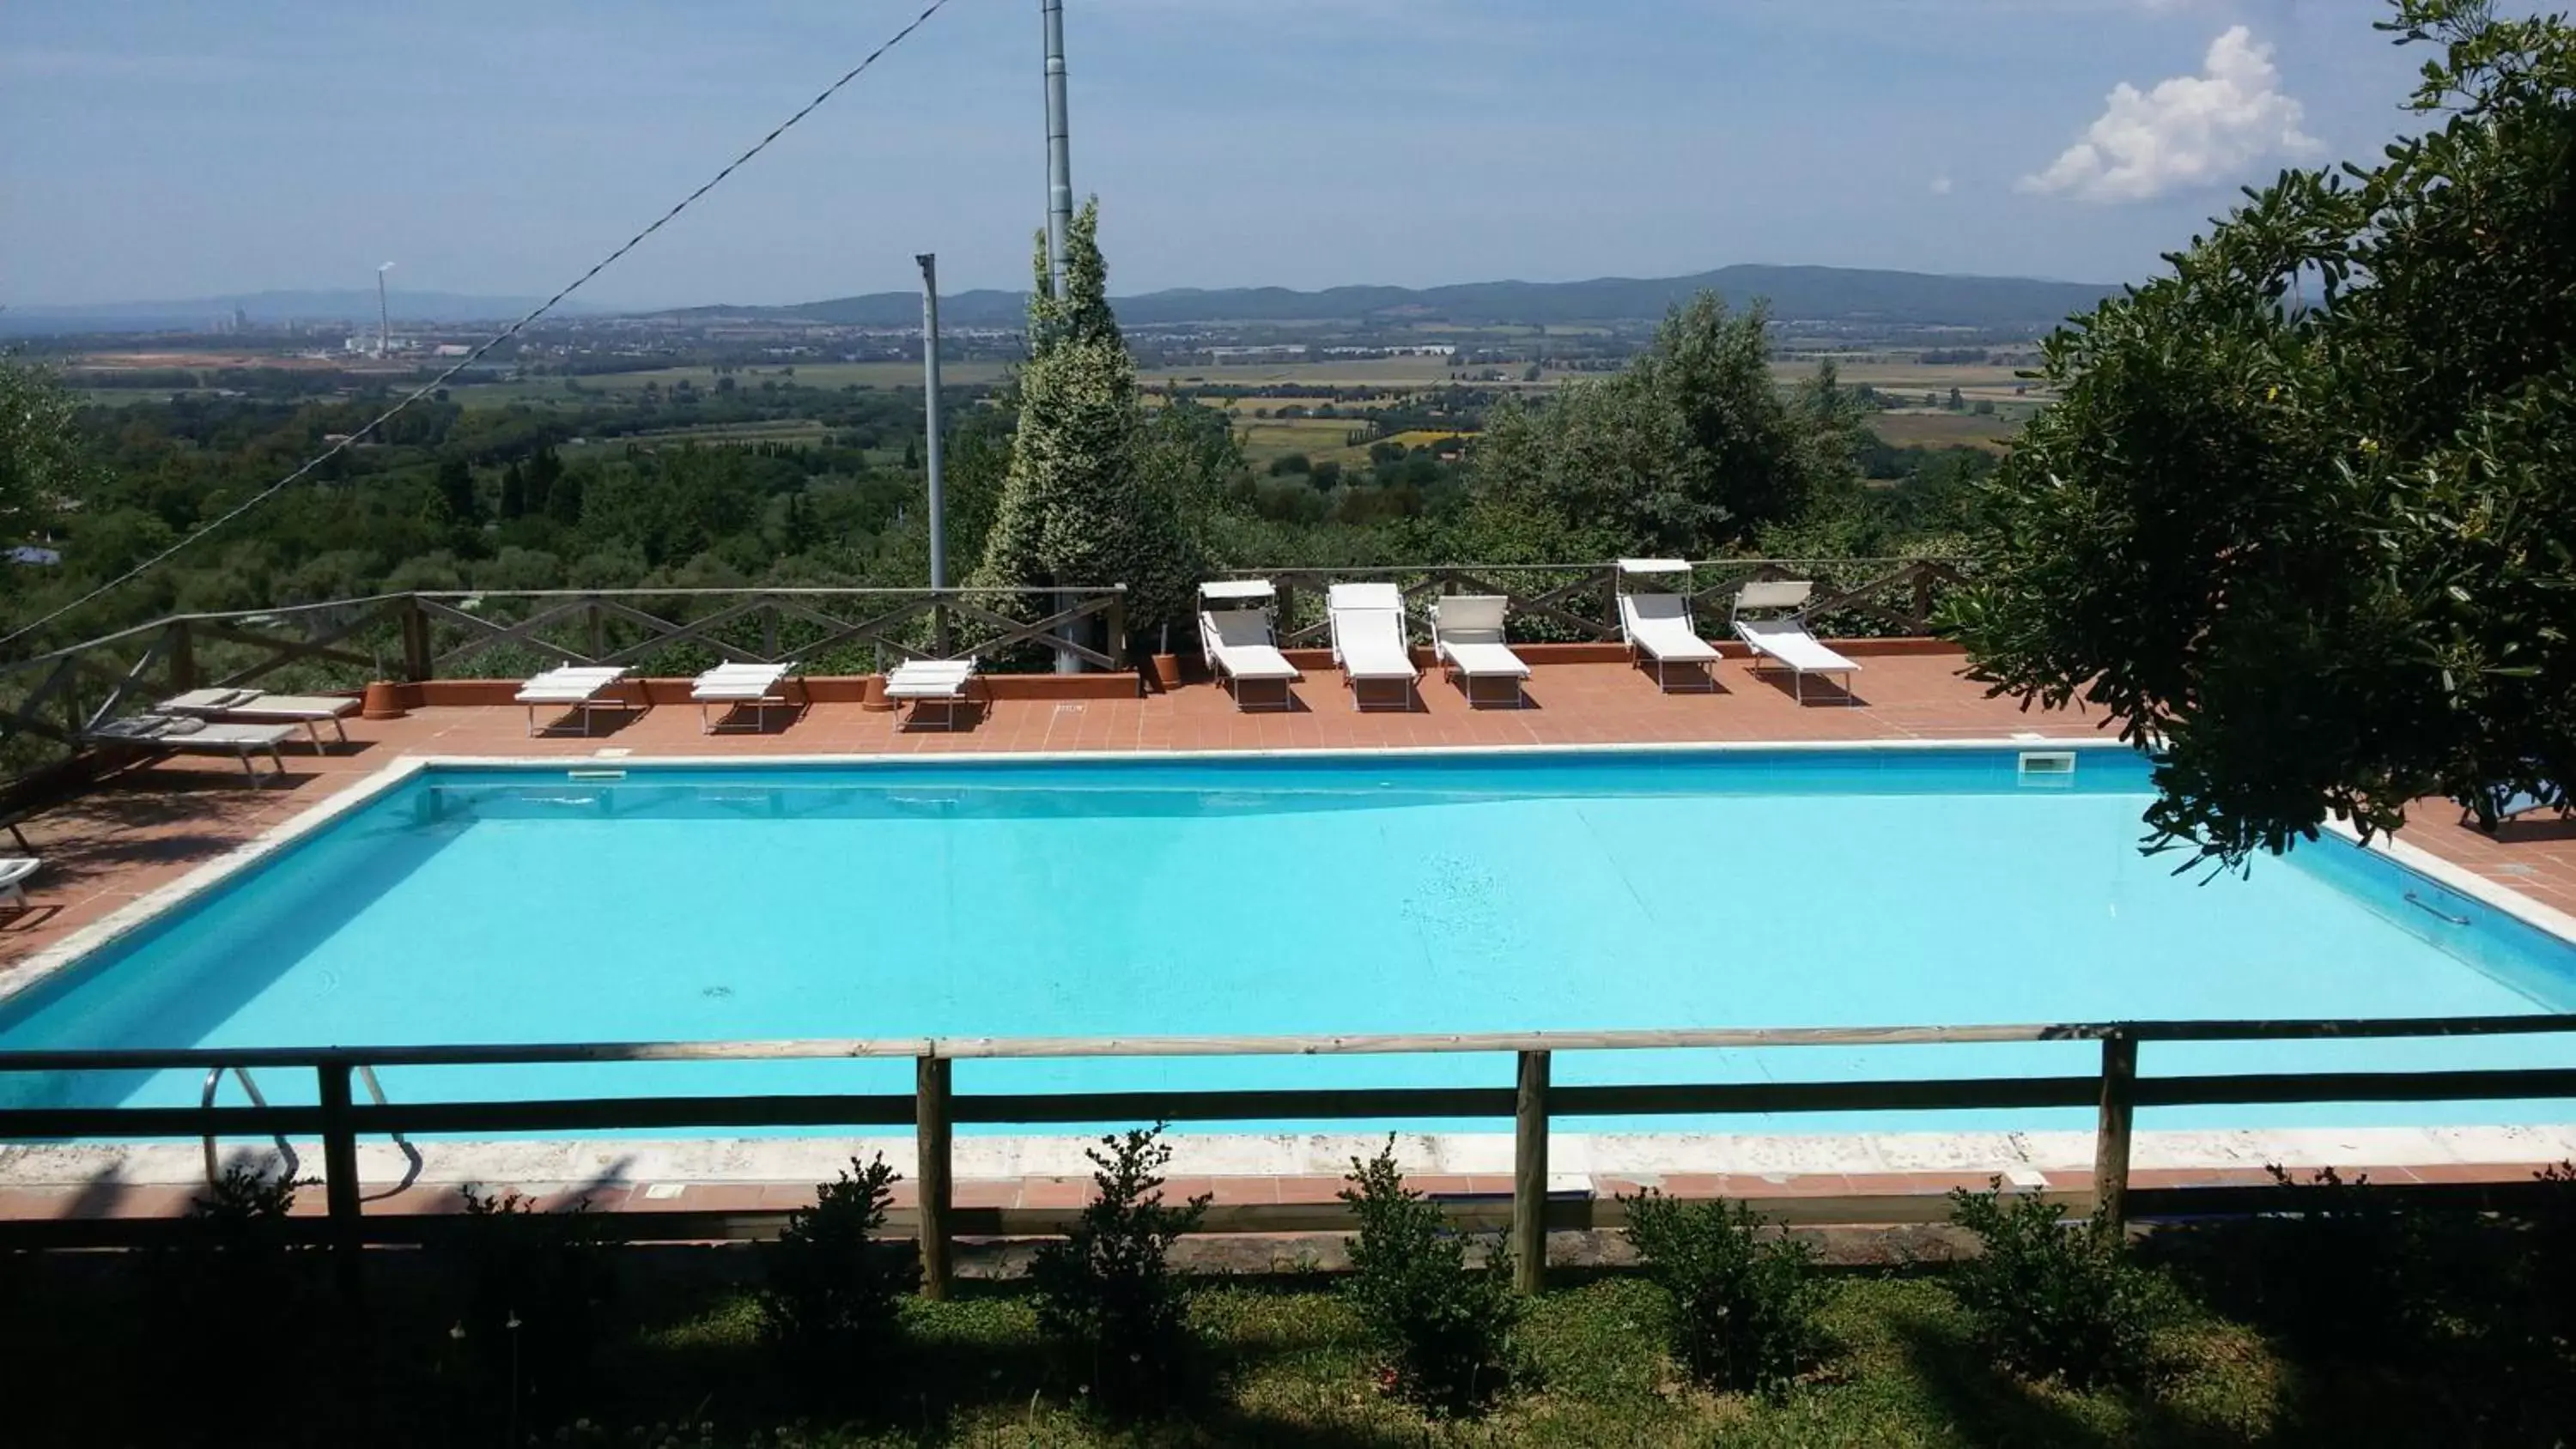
[2115, 1091]
[1579, 600]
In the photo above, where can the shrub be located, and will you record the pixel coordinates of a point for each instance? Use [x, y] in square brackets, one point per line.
[537, 1292]
[832, 1283]
[1745, 1303]
[237, 1264]
[1446, 1331]
[1107, 1292]
[2049, 1299]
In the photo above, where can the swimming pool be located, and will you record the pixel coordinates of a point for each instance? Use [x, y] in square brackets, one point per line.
[1327, 894]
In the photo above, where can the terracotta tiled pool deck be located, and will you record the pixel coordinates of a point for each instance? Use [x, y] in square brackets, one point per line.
[145, 828]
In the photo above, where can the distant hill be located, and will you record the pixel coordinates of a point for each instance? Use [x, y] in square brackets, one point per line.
[1797, 294]
[197, 313]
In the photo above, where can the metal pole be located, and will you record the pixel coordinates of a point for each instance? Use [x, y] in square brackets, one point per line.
[1059, 149]
[930, 407]
[1059, 223]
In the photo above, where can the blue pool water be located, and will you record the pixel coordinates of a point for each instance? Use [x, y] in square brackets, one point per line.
[1325, 895]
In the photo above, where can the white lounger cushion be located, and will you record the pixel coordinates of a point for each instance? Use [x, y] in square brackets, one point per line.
[571, 684]
[1788, 641]
[1469, 628]
[1485, 661]
[739, 683]
[1368, 631]
[1660, 624]
[1239, 640]
[250, 704]
[929, 678]
[16, 869]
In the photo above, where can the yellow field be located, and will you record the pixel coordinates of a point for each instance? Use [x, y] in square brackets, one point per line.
[1425, 438]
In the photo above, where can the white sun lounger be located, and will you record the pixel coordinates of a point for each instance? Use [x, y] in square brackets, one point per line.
[1467, 637]
[179, 734]
[1785, 639]
[1240, 645]
[1657, 624]
[925, 682]
[734, 685]
[251, 706]
[13, 880]
[570, 686]
[1368, 640]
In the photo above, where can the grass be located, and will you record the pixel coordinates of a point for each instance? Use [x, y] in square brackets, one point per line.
[1282, 1361]
[1945, 430]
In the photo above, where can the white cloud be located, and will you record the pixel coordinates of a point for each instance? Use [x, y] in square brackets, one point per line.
[2189, 131]
[1940, 186]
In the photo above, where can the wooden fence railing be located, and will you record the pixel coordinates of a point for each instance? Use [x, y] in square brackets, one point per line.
[2115, 1091]
[51, 701]
[1577, 603]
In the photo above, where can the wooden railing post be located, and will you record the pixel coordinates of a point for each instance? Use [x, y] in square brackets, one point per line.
[598, 632]
[930, 1179]
[1529, 1175]
[941, 636]
[769, 632]
[2111, 1131]
[1118, 630]
[183, 657]
[340, 1178]
[415, 641]
[1922, 596]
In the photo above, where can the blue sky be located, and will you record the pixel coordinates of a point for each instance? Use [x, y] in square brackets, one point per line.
[162, 149]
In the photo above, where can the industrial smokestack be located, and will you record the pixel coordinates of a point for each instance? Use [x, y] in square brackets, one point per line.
[384, 317]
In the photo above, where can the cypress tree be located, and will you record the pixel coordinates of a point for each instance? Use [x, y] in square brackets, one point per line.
[1075, 509]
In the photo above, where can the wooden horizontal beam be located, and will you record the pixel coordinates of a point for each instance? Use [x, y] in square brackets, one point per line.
[1358, 1044]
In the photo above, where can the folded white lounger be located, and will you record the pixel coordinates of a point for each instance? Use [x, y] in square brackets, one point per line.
[1467, 636]
[251, 706]
[925, 682]
[578, 686]
[1785, 639]
[1236, 636]
[1368, 640]
[179, 734]
[13, 878]
[734, 685]
[1658, 626]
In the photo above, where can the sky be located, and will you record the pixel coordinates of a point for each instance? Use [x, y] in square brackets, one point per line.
[164, 149]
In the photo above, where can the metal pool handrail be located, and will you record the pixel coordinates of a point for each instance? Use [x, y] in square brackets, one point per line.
[2115, 1090]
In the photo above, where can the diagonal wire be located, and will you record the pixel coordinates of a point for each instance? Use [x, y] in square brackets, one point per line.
[504, 335]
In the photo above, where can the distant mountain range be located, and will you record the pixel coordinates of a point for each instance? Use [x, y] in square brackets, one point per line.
[270, 308]
[1796, 294]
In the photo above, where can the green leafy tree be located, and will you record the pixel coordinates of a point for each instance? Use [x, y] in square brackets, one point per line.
[1077, 510]
[514, 493]
[2301, 520]
[42, 462]
[1689, 451]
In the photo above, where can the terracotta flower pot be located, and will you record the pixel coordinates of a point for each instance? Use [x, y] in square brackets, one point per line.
[383, 701]
[1167, 672]
[875, 699]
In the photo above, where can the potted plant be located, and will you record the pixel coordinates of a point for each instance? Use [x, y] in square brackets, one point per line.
[1167, 665]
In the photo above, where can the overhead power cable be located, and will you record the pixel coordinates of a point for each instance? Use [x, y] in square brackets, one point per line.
[504, 335]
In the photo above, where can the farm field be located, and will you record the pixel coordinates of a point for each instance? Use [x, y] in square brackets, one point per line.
[543, 391]
[1944, 430]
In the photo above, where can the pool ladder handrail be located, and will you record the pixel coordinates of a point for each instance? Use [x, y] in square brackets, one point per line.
[285, 1149]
